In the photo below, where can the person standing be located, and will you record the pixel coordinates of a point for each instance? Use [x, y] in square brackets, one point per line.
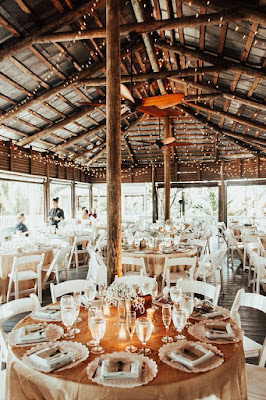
[21, 227]
[56, 214]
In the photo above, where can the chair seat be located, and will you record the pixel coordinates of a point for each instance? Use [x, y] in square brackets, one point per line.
[26, 275]
[256, 382]
[251, 348]
[177, 275]
[3, 385]
[130, 273]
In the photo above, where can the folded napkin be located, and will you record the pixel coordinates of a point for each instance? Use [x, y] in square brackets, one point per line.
[51, 312]
[191, 355]
[219, 330]
[31, 334]
[214, 314]
[53, 358]
[117, 369]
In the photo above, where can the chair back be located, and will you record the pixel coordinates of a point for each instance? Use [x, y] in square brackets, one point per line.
[97, 269]
[201, 244]
[67, 287]
[134, 262]
[172, 262]
[252, 300]
[28, 259]
[11, 309]
[186, 236]
[206, 289]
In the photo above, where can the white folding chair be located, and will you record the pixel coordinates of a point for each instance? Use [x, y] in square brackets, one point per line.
[80, 247]
[137, 281]
[253, 249]
[67, 287]
[134, 265]
[20, 273]
[207, 290]
[9, 310]
[233, 245]
[61, 262]
[97, 269]
[201, 245]
[256, 381]
[184, 237]
[253, 300]
[170, 273]
[259, 273]
[246, 239]
[221, 227]
[210, 265]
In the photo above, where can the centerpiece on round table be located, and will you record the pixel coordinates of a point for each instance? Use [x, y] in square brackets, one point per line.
[121, 292]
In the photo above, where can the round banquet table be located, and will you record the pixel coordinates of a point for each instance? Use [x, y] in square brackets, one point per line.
[227, 382]
[154, 262]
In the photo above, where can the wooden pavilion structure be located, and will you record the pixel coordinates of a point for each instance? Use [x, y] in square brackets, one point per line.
[57, 54]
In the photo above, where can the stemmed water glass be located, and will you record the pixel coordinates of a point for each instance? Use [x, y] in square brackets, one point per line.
[131, 327]
[68, 314]
[144, 329]
[187, 305]
[92, 313]
[101, 289]
[179, 320]
[97, 328]
[90, 292]
[166, 316]
[77, 303]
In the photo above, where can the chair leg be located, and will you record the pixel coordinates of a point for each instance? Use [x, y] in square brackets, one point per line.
[9, 290]
[57, 276]
[244, 260]
[222, 280]
[77, 261]
[16, 289]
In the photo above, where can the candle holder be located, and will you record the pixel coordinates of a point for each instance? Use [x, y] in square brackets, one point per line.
[122, 334]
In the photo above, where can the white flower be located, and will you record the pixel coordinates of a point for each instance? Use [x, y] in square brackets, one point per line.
[120, 291]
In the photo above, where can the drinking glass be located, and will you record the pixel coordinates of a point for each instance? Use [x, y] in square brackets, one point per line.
[179, 320]
[97, 327]
[154, 293]
[68, 314]
[176, 296]
[131, 327]
[166, 316]
[92, 313]
[77, 301]
[187, 305]
[90, 292]
[144, 329]
[151, 242]
[101, 289]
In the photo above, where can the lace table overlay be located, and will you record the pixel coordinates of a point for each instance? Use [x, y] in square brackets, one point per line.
[81, 353]
[198, 331]
[53, 333]
[214, 362]
[147, 370]
[224, 311]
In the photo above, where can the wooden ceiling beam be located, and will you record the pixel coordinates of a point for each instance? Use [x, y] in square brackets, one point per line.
[209, 58]
[235, 15]
[67, 18]
[233, 117]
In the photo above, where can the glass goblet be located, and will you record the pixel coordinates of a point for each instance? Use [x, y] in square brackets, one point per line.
[90, 292]
[154, 292]
[101, 289]
[77, 301]
[187, 305]
[131, 327]
[97, 327]
[166, 317]
[144, 329]
[179, 320]
[68, 315]
[92, 313]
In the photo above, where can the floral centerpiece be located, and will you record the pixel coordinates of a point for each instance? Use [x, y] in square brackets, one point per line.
[120, 291]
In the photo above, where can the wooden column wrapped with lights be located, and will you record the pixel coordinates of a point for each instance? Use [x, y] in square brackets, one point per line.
[113, 140]
[47, 191]
[222, 197]
[154, 195]
[167, 170]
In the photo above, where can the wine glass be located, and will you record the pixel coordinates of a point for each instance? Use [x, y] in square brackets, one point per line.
[77, 301]
[68, 315]
[92, 313]
[187, 305]
[101, 289]
[131, 327]
[179, 320]
[154, 292]
[97, 328]
[166, 316]
[90, 292]
[176, 296]
[144, 329]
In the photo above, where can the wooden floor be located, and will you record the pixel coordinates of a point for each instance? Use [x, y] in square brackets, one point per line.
[253, 321]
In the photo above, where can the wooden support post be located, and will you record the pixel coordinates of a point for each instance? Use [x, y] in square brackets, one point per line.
[73, 199]
[113, 140]
[91, 197]
[257, 167]
[47, 192]
[11, 156]
[167, 171]
[154, 195]
[31, 161]
[222, 197]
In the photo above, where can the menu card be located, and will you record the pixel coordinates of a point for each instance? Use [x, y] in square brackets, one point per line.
[219, 330]
[117, 369]
[191, 355]
[32, 333]
[53, 358]
[50, 312]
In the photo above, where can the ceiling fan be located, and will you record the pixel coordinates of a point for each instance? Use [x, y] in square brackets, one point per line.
[164, 143]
